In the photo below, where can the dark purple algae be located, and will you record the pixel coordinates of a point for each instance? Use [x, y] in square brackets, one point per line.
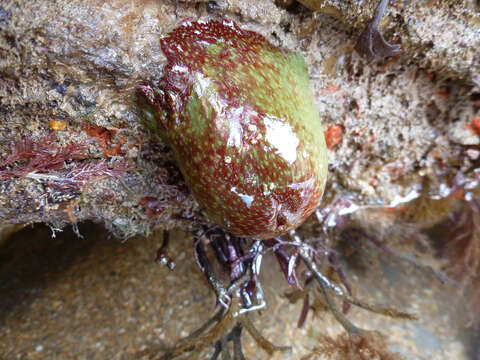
[239, 114]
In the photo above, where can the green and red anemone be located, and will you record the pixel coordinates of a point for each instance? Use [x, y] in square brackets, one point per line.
[240, 117]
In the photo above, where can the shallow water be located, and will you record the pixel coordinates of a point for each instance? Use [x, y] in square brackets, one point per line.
[97, 298]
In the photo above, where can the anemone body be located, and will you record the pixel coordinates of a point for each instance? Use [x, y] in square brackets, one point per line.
[239, 114]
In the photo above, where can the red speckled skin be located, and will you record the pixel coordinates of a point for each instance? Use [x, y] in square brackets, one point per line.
[240, 118]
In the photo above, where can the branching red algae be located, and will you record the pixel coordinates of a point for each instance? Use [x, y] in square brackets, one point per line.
[43, 155]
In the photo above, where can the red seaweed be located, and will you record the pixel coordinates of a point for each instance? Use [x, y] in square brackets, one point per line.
[41, 156]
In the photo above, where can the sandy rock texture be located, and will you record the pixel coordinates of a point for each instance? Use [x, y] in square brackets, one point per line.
[69, 69]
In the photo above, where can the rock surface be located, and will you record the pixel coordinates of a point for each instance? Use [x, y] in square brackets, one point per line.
[69, 68]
